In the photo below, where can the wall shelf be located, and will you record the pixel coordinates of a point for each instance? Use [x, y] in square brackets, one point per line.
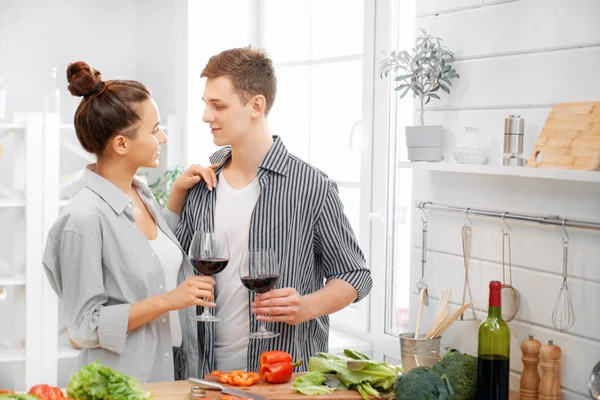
[12, 203]
[66, 351]
[522, 172]
[12, 354]
[17, 280]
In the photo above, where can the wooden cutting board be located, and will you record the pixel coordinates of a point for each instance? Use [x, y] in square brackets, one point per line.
[180, 391]
[570, 138]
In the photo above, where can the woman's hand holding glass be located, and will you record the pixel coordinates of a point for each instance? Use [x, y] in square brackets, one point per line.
[194, 291]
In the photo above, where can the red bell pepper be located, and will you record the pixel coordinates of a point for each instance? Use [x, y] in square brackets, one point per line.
[277, 366]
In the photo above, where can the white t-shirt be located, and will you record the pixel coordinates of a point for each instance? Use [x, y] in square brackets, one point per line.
[233, 211]
[170, 257]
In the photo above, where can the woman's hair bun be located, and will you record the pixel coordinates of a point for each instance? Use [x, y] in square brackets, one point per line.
[82, 79]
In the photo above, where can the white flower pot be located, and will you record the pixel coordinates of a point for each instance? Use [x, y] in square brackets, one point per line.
[2, 103]
[424, 143]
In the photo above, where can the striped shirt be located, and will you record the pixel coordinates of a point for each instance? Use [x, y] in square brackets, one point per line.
[300, 216]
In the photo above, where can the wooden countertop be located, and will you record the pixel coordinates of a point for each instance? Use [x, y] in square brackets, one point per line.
[180, 391]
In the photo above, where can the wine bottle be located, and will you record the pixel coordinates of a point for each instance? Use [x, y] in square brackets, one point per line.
[493, 356]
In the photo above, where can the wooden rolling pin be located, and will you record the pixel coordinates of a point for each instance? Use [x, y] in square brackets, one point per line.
[550, 383]
[530, 379]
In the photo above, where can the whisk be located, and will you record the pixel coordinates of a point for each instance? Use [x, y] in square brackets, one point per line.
[422, 283]
[563, 316]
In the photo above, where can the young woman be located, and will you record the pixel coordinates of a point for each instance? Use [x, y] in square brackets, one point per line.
[127, 287]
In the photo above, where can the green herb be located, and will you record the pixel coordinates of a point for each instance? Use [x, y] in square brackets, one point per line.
[311, 384]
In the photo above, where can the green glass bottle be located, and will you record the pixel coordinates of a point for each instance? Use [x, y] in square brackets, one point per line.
[493, 356]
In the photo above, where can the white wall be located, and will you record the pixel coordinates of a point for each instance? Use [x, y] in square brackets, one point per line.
[516, 57]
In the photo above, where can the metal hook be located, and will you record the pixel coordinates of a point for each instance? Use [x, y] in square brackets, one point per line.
[422, 207]
[506, 223]
[467, 215]
[565, 240]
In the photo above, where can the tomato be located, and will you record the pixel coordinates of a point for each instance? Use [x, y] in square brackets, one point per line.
[47, 392]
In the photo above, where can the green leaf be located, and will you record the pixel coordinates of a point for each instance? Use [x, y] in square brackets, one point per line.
[435, 96]
[403, 77]
[444, 88]
[405, 92]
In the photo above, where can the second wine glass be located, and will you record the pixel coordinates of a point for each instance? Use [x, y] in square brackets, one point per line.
[259, 272]
[209, 255]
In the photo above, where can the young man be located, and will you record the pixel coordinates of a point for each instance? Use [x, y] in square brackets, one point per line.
[267, 198]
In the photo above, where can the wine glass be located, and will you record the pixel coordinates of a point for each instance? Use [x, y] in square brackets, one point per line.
[259, 272]
[209, 255]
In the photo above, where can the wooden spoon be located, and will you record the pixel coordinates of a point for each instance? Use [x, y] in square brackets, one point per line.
[422, 296]
[439, 320]
[451, 320]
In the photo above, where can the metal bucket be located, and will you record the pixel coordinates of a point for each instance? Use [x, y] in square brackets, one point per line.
[409, 345]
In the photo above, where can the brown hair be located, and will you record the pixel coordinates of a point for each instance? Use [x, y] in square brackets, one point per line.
[250, 71]
[107, 107]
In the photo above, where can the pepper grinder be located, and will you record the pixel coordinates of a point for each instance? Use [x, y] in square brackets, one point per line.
[514, 127]
[550, 383]
[530, 379]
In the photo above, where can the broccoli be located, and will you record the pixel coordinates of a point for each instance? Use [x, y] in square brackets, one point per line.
[461, 370]
[423, 383]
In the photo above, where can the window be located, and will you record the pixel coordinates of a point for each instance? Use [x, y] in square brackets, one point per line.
[323, 109]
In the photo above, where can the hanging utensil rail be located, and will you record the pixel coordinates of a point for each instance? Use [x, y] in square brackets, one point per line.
[544, 220]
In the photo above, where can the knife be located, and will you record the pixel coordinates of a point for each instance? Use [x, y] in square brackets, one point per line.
[208, 385]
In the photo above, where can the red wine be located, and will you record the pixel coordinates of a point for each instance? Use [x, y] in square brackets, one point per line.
[492, 377]
[209, 266]
[260, 283]
[493, 354]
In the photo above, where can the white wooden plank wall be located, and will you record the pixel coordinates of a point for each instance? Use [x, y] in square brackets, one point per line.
[515, 57]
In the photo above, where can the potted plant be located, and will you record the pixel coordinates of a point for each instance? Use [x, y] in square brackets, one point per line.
[424, 71]
[2, 96]
[162, 187]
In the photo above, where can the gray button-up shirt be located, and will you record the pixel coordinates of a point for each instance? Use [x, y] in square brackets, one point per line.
[99, 263]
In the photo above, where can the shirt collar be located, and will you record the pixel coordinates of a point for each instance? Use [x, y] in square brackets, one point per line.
[111, 194]
[275, 160]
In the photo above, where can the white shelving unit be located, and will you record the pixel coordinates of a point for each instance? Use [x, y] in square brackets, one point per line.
[521, 172]
[26, 194]
[37, 194]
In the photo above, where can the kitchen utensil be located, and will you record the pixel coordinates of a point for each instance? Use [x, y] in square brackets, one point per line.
[514, 127]
[530, 378]
[570, 138]
[208, 385]
[594, 382]
[550, 383]
[437, 322]
[443, 302]
[197, 392]
[408, 346]
[422, 296]
[451, 320]
[510, 296]
[563, 315]
[422, 283]
[467, 235]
